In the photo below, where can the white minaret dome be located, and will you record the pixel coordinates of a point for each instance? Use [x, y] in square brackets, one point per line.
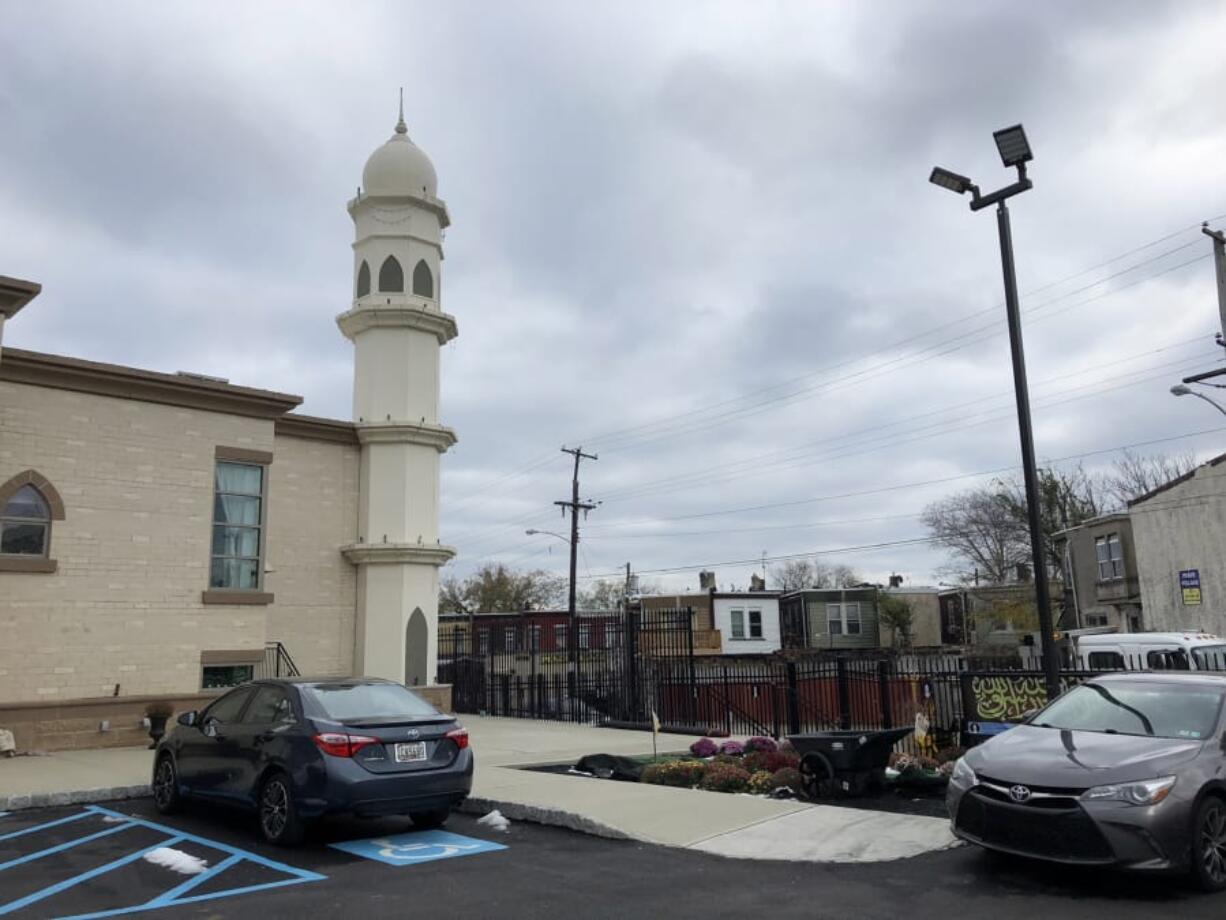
[399, 168]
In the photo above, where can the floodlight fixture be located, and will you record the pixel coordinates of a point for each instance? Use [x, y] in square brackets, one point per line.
[1013, 146]
[951, 180]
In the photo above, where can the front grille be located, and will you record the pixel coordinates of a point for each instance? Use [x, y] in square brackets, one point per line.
[1047, 833]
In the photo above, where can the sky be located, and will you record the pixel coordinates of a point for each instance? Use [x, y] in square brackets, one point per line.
[696, 239]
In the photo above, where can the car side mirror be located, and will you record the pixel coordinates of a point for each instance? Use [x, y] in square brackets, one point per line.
[188, 718]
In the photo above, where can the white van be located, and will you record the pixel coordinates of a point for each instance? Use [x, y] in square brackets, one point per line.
[1172, 651]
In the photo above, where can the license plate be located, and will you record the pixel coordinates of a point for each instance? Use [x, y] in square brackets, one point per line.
[411, 752]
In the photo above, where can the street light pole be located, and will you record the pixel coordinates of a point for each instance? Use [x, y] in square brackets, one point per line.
[1015, 152]
[1181, 390]
[1051, 664]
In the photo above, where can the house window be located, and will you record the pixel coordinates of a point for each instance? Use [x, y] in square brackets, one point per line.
[738, 624]
[238, 523]
[483, 641]
[217, 676]
[508, 639]
[843, 619]
[25, 524]
[457, 642]
[559, 636]
[585, 635]
[423, 280]
[1110, 556]
[1096, 619]
[755, 624]
[534, 636]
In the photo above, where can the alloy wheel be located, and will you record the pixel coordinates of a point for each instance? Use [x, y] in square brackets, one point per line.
[274, 808]
[1213, 843]
[164, 783]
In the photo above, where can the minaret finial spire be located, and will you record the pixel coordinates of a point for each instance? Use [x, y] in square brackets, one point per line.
[401, 127]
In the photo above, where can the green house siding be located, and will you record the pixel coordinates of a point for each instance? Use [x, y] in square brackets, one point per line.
[819, 625]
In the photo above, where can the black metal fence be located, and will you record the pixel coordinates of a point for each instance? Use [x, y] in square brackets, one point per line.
[623, 668]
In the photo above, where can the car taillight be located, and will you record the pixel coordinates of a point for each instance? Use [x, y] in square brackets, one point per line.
[459, 736]
[341, 745]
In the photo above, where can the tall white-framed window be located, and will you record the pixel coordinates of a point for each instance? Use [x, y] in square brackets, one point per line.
[534, 636]
[1110, 555]
[843, 619]
[755, 624]
[738, 624]
[483, 641]
[238, 526]
[585, 635]
[508, 639]
[559, 636]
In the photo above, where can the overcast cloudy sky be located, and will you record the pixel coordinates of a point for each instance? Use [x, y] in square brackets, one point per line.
[696, 238]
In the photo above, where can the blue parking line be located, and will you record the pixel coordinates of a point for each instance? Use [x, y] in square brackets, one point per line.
[42, 827]
[305, 874]
[21, 860]
[171, 896]
[84, 876]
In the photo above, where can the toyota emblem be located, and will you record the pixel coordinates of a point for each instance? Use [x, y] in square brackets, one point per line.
[413, 733]
[1019, 794]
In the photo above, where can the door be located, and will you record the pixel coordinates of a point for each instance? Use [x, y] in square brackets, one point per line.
[256, 740]
[206, 747]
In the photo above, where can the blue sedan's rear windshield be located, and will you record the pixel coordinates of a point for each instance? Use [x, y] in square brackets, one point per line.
[1161, 710]
[344, 702]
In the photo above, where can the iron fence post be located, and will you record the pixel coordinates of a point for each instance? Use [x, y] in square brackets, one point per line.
[885, 689]
[793, 699]
[844, 689]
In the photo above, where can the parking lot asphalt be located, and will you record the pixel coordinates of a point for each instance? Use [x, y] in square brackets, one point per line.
[88, 861]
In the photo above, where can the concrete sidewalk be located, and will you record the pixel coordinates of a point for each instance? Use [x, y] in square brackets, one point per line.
[732, 825]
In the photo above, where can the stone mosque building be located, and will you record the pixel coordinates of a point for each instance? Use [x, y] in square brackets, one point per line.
[166, 535]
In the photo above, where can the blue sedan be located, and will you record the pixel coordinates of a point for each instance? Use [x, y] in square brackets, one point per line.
[295, 750]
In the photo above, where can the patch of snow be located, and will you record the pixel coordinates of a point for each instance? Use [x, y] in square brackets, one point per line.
[495, 821]
[177, 861]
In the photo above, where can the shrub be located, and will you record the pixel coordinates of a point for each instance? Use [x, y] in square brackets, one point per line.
[704, 747]
[725, 777]
[753, 761]
[761, 783]
[786, 747]
[782, 760]
[788, 778]
[684, 774]
[760, 743]
[949, 754]
[732, 747]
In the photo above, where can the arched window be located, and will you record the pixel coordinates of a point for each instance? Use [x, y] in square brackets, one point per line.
[423, 280]
[364, 279]
[391, 276]
[28, 505]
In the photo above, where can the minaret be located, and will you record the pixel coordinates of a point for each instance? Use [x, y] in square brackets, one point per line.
[397, 327]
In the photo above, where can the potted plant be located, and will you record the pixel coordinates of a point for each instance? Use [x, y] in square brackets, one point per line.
[157, 714]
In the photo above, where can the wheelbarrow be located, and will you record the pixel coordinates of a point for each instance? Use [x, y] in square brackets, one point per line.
[846, 763]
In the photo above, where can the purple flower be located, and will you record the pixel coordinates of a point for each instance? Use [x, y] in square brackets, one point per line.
[732, 747]
[759, 743]
[704, 747]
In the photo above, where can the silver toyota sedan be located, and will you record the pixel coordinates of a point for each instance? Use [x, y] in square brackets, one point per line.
[1126, 770]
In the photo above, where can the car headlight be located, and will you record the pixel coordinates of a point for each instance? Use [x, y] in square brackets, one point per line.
[963, 773]
[1145, 792]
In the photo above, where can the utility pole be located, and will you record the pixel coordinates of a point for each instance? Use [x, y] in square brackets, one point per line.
[1219, 265]
[574, 506]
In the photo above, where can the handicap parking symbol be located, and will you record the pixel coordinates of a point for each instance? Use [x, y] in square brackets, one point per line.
[413, 848]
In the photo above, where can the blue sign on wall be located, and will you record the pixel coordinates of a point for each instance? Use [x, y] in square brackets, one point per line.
[413, 848]
[1189, 587]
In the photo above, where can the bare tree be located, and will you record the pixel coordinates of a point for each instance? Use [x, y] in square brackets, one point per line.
[497, 588]
[1133, 475]
[1066, 499]
[982, 536]
[796, 574]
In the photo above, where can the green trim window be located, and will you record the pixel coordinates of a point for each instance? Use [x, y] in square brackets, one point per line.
[238, 526]
[738, 624]
[843, 619]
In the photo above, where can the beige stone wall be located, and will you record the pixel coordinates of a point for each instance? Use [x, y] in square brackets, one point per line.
[313, 511]
[124, 607]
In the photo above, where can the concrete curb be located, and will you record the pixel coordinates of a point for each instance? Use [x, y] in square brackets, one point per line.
[537, 814]
[76, 797]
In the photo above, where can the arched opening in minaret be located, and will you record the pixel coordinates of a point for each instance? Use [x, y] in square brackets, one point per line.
[391, 277]
[416, 646]
[423, 280]
[363, 280]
